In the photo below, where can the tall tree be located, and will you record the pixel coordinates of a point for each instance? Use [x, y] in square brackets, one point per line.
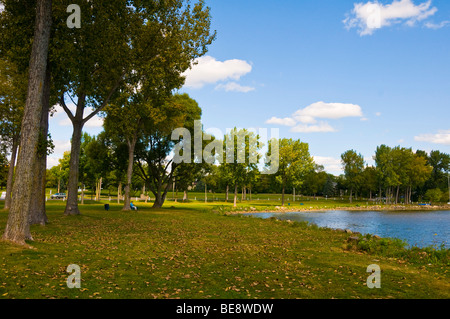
[294, 162]
[388, 176]
[124, 41]
[242, 157]
[369, 180]
[18, 228]
[353, 165]
[38, 214]
[155, 165]
[441, 168]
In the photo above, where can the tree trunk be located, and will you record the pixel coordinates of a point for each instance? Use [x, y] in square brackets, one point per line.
[72, 185]
[98, 192]
[282, 195]
[38, 215]
[159, 200]
[351, 195]
[226, 194]
[206, 194]
[235, 195]
[396, 195]
[18, 227]
[119, 192]
[12, 164]
[161, 192]
[131, 148]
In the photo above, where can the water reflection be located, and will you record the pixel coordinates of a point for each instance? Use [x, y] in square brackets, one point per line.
[417, 228]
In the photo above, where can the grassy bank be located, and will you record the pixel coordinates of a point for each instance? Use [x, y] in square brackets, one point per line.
[189, 251]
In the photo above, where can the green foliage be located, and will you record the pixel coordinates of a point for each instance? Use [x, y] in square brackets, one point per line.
[383, 246]
[434, 195]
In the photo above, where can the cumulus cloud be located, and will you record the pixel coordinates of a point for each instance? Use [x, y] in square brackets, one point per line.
[322, 127]
[207, 70]
[323, 110]
[330, 164]
[306, 120]
[442, 137]
[370, 16]
[287, 121]
[52, 161]
[61, 147]
[436, 26]
[234, 87]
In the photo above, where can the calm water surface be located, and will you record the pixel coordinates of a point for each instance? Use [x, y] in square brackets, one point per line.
[416, 228]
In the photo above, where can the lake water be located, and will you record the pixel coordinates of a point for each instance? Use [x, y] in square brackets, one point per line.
[417, 228]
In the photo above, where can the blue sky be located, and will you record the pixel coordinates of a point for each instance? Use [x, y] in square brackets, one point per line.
[338, 75]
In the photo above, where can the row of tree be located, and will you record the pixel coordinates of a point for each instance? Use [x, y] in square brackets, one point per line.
[397, 171]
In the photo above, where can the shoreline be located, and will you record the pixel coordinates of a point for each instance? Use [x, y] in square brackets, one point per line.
[386, 208]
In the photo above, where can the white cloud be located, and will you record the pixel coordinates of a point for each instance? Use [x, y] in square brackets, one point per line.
[331, 164]
[208, 70]
[378, 114]
[436, 26]
[287, 121]
[61, 147]
[306, 120]
[234, 87]
[322, 127]
[52, 161]
[95, 122]
[442, 137]
[370, 16]
[327, 111]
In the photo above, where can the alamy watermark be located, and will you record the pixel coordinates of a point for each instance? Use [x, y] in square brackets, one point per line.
[374, 280]
[74, 280]
[74, 20]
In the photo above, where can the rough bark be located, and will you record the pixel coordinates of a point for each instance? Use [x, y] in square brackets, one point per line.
[38, 215]
[18, 227]
[159, 200]
[72, 185]
[131, 148]
[12, 163]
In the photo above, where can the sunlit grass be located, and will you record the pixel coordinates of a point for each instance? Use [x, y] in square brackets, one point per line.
[187, 251]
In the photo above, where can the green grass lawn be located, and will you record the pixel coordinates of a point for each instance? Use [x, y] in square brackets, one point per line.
[192, 251]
